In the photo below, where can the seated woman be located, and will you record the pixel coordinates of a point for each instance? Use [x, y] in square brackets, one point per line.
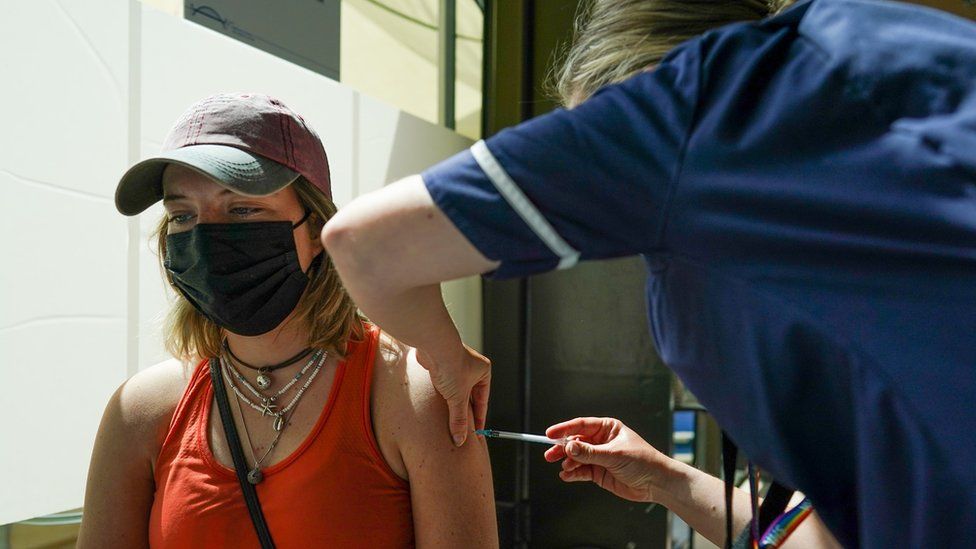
[342, 430]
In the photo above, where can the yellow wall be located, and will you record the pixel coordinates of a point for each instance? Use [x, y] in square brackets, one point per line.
[172, 7]
[23, 536]
[393, 56]
[958, 7]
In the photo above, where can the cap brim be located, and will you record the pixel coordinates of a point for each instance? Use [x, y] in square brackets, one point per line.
[238, 170]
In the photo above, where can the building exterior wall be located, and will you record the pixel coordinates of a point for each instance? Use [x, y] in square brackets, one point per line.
[92, 87]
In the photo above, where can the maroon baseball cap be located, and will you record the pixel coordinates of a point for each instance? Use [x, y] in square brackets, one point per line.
[248, 142]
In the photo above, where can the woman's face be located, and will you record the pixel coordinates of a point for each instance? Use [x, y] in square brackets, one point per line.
[191, 198]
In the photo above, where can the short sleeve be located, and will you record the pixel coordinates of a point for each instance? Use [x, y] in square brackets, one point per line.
[587, 183]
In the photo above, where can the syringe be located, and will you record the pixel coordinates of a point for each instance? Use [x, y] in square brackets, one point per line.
[524, 437]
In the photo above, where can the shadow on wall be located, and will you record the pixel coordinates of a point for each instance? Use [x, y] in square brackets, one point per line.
[411, 153]
[405, 158]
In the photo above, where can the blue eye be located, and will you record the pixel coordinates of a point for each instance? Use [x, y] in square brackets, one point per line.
[180, 219]
[243, 211]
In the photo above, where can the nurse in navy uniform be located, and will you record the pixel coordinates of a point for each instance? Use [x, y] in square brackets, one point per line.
[803, 189]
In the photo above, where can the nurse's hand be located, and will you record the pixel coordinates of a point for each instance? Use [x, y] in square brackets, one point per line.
[464, 380]
[618, 460]
[611, 455]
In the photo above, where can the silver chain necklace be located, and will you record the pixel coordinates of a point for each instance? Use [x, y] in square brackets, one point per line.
[268, 406]
[269, 400]
[255, 476]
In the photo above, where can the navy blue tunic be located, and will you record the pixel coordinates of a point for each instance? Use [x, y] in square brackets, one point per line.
[804, 192]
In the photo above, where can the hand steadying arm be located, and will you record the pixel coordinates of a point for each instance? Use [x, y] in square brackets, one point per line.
[393, 248]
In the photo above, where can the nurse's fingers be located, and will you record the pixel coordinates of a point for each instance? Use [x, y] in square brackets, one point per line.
[479, 402]
[583, 473]
[558, 452]
[570, 464]
[595, 429]
[555, 453]
[458, 409]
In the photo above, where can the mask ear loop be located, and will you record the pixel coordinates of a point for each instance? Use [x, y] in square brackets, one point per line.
[308, 213]
[317, 260]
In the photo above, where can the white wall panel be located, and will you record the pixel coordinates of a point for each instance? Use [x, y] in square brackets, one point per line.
[62, 285]
[64, 92]
[65, 372]
[63, 255]
[153, 293]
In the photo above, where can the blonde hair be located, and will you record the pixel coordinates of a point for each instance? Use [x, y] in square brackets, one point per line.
[615, 39]
[325, 308]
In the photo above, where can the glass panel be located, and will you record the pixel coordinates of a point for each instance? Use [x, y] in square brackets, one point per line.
[389, 51]
[469, 46]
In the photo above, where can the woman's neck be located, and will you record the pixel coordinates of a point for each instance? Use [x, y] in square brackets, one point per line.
[274, 347]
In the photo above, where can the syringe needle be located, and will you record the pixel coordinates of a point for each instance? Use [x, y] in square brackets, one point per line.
[523, 437]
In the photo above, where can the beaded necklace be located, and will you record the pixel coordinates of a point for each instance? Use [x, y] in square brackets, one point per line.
[255, 476]
[268, 406]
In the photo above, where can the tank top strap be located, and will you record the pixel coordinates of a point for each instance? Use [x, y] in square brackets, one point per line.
[353, 404]
[188, 413]
[352, 419]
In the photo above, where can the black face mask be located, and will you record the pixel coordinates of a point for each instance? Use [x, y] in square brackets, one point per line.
[244, 276]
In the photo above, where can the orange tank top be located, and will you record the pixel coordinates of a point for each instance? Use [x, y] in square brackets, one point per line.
[334, 490]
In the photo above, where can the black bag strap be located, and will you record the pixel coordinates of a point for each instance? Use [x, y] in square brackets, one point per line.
[729, 453]
[773, 505]
[237, 453]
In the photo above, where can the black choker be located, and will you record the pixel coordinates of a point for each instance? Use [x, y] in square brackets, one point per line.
[302, 354]
[263, 379]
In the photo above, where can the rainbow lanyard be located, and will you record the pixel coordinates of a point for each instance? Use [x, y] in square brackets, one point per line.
[784, 525]
[777, 525]
[781, 527]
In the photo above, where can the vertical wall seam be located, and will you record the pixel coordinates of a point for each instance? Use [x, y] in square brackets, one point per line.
[356, 133]
[133, 132]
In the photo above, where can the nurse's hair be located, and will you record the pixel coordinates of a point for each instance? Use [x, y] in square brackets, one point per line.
[328, 312]
[615, 39]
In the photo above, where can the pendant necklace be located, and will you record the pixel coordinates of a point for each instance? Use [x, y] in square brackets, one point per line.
[268, 406]
[255, 475]
[264, 379]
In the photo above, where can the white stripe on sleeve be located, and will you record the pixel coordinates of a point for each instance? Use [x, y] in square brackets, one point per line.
[568, 256]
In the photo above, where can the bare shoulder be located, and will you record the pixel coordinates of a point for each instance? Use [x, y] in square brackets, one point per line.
[389, 375]
[405, 386]
[144, 404]
[120, 488]
[417, 413]
[451, 492]
[409, 416]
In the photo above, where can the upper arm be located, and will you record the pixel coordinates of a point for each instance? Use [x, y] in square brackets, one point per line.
[400, 225]
[587, 183]
[450, 488]
[591, 182]
[120, 488]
